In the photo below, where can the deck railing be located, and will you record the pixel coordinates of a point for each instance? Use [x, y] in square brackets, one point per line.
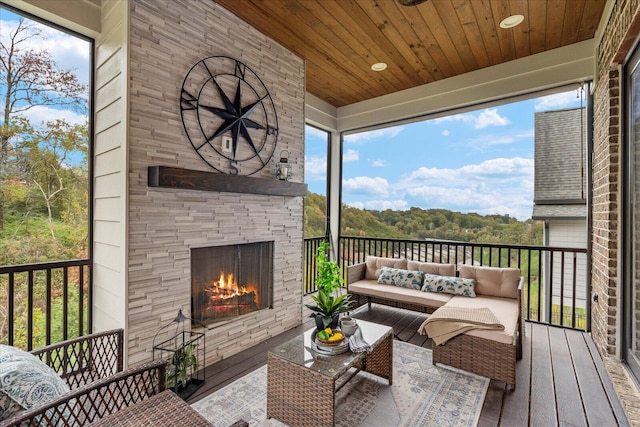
[556, 286]
[44, 303]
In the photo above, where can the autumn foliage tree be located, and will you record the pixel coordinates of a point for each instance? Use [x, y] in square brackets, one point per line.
[29, 78]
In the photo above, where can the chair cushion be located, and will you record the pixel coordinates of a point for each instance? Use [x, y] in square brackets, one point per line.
[493, 281]
[25, 382]
[432, 268]
[375, 264]
[505, 309]
[449, 285]
[399, 277]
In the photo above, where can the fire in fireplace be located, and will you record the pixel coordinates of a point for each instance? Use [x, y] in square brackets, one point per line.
[229, 281]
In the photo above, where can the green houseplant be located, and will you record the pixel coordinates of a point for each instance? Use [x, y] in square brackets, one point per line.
[182, 363]
[329, 302]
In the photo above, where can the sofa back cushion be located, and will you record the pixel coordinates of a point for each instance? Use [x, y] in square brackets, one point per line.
[493, 281]
[374, 264]
[432, 268]
[403, 278]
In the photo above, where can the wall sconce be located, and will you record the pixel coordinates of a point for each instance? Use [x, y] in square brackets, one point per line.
[283, 167]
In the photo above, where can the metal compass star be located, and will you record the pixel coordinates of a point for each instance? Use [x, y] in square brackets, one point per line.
[235, 118]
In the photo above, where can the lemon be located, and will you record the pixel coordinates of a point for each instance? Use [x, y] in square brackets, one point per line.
[336, 337]
[328, 331]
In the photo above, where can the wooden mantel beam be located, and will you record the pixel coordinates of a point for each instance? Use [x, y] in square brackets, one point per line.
[188, 179]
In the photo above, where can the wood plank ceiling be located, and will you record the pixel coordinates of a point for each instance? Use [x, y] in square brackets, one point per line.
[434, 40]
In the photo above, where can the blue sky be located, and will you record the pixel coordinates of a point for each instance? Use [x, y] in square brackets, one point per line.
[480, 161]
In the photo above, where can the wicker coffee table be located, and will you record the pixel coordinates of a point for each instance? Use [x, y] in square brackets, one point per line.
[301, 386]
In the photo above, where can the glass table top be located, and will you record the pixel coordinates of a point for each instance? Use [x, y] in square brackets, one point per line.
[298, 350]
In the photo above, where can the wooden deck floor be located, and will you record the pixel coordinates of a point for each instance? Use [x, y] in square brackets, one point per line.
[561, 379]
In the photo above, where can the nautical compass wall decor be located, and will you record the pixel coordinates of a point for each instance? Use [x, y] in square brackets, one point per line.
[229, 116]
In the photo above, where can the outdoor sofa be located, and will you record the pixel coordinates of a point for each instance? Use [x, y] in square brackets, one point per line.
[489, 353]
[92, 368]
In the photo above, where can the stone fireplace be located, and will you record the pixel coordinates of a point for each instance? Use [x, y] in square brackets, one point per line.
[231, 280]
[167, 224]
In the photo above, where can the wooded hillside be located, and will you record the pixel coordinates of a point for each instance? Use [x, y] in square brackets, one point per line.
[417, 223]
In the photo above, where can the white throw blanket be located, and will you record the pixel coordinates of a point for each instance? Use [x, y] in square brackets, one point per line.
[357, 344]
[448, 322]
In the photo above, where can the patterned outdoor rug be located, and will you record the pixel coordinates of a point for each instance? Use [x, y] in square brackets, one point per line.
[421, 395]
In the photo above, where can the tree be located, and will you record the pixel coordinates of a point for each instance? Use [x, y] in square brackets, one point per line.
[45, 155]
[30, 78]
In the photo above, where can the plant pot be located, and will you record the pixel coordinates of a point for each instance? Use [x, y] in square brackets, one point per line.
[332, 325]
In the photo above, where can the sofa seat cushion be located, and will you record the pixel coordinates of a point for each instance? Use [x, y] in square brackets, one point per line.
[505, 309]
[25, 382]
[432, 268]
[375, 264]
[398, 294]
[493, 281]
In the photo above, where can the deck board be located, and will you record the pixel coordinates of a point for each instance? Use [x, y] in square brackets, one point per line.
[543, 411]
[595, 402]
[544, 376]
[566, 384]
[516, 403]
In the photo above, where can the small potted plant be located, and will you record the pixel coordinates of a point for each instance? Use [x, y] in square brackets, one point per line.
[329, 302]
[181, 365]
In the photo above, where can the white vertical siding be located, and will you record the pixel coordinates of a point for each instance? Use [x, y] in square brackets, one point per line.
[569, 234]
[110, 167]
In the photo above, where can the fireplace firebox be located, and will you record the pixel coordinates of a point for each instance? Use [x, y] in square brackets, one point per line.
[229, 281]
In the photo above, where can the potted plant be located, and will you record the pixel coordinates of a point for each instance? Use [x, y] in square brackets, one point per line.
[181, 365]
[329, 302]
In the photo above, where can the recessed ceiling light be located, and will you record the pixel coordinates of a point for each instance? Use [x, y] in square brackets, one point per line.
[511, 21]
[379, 66]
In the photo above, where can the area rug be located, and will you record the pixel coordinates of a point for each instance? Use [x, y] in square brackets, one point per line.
[421, 395]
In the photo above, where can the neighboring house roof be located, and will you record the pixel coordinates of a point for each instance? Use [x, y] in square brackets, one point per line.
[542, 212]
[560, 184]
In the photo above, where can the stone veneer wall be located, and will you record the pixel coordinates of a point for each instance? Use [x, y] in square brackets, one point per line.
[166, 39]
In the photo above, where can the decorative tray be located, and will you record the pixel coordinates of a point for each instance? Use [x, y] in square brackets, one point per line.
[329, 349]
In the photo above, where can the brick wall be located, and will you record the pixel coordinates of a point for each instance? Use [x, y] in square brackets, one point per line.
[166, 39]
[607, 140]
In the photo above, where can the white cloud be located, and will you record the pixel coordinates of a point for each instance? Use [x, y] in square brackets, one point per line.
[41, 114]
[387, 133]
[557, 101]
[315, 168]
[380, 205]
[379, 163]
[501, 185]
[351, 156]
[481, 120]
[490, 118]
[366, 185]
[445, 132]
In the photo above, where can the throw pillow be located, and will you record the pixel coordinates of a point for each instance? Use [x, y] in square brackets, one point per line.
[25, 382]
[449, 285]
[400, 277]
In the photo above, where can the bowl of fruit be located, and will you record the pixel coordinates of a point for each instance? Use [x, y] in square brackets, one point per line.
[330, 336]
